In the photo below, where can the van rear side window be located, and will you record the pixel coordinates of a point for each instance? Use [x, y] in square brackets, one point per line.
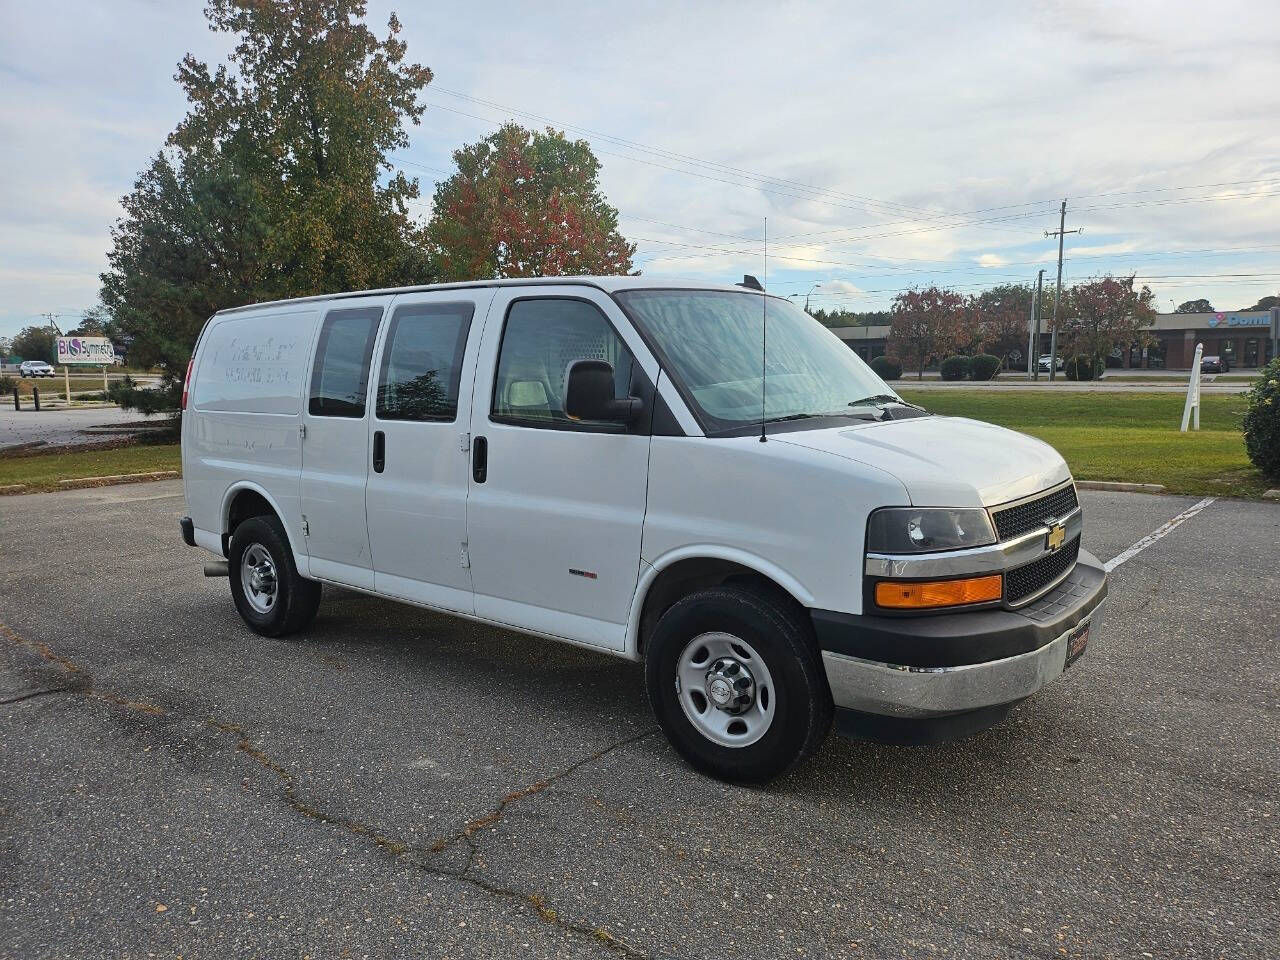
[422, 361]
[340, 375]
[254, 364]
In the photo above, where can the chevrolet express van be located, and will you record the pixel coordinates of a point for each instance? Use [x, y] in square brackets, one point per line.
[606, 461]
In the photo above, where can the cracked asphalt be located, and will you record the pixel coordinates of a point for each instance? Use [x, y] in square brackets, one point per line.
[398, 783]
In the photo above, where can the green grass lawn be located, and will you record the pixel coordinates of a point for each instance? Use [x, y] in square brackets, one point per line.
[42, 472]
[1131, 437]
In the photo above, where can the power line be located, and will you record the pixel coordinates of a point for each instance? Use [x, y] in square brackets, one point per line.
[788, 193]
[685, 158]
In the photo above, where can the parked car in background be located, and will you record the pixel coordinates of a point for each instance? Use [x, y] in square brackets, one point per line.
[1045, 360]
[1214, 364]
[36, 368]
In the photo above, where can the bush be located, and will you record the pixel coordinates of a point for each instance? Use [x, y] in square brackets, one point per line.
[886, 368]
[7, 383]
[955, 368]
[165, 398]
[1262, 422]
[984, 367]
[1080, 367]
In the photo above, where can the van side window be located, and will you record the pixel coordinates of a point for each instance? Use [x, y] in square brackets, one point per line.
[542, 337]
[422, 361]
[340, 375]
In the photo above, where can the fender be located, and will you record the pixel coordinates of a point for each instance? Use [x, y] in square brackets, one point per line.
[703, 551]
[300, 557]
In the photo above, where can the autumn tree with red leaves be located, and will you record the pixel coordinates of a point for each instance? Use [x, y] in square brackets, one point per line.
[525, 204]
[1105, 312]
[925, 323]
[998, 318]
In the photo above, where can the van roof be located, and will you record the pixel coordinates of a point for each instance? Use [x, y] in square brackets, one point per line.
[607, 284]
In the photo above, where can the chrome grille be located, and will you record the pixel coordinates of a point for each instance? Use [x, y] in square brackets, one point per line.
[1027, 580]
[1022, 518]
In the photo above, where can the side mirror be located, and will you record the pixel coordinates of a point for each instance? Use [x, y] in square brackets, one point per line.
[588, 394]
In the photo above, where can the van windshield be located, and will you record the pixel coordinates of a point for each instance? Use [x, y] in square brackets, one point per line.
[711, 340]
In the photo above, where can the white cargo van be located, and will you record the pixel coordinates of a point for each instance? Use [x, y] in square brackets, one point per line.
[589, 460]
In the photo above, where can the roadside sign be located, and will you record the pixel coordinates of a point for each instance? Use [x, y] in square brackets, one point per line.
[96, 351]
[1193, 392]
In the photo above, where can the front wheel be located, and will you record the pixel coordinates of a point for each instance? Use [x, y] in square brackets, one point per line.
[736, 682]
[270, 594]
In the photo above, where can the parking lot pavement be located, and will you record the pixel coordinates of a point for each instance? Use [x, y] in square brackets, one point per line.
[57, 426]
[396, 782]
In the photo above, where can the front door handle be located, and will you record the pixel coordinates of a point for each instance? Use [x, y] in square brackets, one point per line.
[479, 459]
[379, 451]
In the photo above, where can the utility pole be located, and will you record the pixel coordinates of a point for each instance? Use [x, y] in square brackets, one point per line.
[1033, 337]
[1060, 233]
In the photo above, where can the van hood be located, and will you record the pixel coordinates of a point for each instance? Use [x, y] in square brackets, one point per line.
[945, 461]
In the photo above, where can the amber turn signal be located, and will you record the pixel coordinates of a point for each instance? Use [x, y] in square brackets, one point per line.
[921, 595]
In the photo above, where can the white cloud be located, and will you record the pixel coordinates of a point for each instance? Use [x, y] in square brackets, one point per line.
[901, 124]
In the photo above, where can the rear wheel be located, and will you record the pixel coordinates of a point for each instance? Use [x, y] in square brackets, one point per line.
[737, 684]
[270, 594]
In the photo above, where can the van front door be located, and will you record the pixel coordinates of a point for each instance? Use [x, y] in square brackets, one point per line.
[556, 506]
[335, 437]
[416, 497]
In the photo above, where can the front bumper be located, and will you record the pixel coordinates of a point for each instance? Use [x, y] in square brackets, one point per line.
[934, 666]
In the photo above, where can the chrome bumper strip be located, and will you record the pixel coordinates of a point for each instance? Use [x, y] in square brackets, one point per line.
[899, 691]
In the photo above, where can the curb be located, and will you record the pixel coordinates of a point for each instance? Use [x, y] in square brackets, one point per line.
[82, 482]
[12, 488]
[1269, 495]
[1120, 487]
[18, 449]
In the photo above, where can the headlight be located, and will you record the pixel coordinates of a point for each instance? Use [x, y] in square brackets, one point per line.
[925, 529]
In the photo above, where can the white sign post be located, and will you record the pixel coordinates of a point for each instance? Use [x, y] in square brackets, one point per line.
[90, 351]
[1193, 391]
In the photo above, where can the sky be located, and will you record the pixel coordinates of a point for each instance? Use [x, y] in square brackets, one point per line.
[886, 145]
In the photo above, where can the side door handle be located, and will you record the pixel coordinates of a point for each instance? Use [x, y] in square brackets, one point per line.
[479, 459]
[379, 451]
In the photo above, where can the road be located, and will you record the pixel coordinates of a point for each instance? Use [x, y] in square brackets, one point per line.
[398, 783]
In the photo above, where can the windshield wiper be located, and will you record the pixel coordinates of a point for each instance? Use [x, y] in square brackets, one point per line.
[874, 400]
[792, 416]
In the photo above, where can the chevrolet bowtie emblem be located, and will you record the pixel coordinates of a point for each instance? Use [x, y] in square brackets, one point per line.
[1057, 535]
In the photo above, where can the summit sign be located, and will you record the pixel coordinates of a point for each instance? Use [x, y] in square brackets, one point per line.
[95, 351]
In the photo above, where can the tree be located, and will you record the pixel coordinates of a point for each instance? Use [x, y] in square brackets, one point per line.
[94, 323]
[1266, 303]
[277, 182]
[525, 204]
[36, 343]
[998, 319]
[925, 323]
[1194, 306]
[1101, 313]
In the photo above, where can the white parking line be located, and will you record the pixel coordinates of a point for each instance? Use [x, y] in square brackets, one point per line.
[1156, 534]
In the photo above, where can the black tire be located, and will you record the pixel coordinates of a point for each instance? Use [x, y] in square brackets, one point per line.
[778, 630]
[296, 598]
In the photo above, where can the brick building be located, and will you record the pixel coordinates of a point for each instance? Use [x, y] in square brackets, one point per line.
[1245, 337]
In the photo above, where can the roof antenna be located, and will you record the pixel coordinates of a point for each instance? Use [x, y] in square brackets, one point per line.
[764, 326]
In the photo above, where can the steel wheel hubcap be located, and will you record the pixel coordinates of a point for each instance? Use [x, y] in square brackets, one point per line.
[258, 578]
[725, 689]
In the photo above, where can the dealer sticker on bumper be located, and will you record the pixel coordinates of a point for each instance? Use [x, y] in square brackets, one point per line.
[1076, 643]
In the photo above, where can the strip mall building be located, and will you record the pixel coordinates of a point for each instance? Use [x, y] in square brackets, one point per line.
[1245, 338]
